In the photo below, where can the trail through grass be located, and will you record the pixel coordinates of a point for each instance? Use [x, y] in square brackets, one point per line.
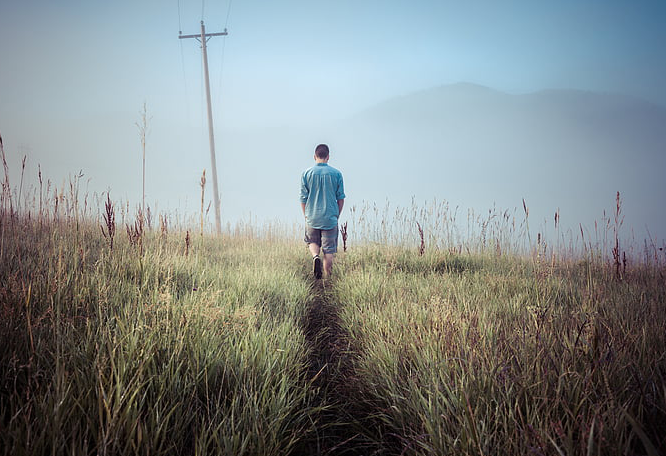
[345, 425]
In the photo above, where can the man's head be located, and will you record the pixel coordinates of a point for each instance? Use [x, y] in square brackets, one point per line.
[321, 152]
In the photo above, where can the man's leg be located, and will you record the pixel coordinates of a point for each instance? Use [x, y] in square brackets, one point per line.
[329, 244]
[314, 248]
[313, 239]
[316, 261]
[328, 263]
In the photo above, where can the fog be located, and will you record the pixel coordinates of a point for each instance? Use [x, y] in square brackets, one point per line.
[481, 104]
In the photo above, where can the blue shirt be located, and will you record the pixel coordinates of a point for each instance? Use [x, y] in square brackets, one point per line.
[321, 188]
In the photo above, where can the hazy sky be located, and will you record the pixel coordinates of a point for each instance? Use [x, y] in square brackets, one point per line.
[293, 59]
[74, 74]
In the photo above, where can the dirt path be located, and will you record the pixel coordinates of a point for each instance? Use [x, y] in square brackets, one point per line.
[345, 425]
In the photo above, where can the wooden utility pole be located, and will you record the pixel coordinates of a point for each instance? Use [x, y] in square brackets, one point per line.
[203, 38]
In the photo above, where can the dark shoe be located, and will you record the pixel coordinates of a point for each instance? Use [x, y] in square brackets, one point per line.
[316, 267]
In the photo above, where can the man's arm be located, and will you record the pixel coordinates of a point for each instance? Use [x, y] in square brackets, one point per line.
[303, 207]
[341, 203]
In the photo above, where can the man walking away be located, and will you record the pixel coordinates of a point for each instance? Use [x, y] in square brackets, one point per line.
[322, 198]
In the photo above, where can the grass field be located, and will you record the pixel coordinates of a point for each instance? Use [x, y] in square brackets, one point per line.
[172, 342]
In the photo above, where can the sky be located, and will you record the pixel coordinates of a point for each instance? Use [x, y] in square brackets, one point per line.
[74, 76]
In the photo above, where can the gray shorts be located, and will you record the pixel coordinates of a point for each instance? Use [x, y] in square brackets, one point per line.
[326, 239]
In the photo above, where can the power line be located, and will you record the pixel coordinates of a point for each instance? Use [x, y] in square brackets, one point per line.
[226, 22]
[182, 64]
[180, 28]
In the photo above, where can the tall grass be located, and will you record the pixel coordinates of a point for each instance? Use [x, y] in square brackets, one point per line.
[482, 354]
[431, 338]
[436, 225]
[114, 352]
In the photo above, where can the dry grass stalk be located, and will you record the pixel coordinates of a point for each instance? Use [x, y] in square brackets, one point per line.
[18, 201]
[527, 223]
[187, 243]
[28, 314]
[422, 246]
[135, 232]
[343, 232]
[163, 229]
[6, 188]
[541, 249]
[109, 221]
[203, 189]
[149, 219]
[616, 248]
[57, 197]
[557, 237]
[526, 209]
[72, 203]
[39, 174]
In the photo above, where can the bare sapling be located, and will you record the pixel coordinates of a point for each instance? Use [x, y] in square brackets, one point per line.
[142, 125]
[110, 222]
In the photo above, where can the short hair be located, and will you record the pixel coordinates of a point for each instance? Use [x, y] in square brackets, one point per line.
[321, 151]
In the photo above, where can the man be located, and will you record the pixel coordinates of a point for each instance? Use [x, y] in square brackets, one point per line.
[322, 198]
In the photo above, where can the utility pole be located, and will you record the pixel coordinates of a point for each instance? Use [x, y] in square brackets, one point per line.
[203, 38]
